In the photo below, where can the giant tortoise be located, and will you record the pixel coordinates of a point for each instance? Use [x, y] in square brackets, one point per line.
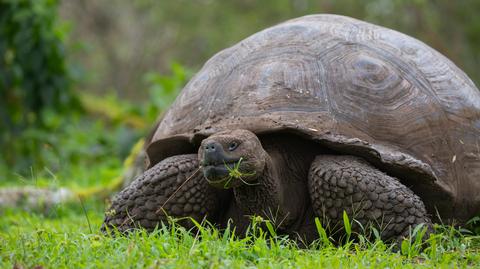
[314, 117]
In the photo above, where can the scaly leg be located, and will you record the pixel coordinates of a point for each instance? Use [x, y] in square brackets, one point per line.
[173, 187]
[338, 183]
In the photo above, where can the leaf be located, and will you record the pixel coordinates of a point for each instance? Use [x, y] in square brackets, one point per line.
[376, 233]
[270, 228]
[321, 231]
[417, 229]
[346, 223]
[405, 247]
[473, 220]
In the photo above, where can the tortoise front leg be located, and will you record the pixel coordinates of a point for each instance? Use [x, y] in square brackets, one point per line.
[173, 187]
[338, 183]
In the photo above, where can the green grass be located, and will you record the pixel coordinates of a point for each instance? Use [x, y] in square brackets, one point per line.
[61, 238]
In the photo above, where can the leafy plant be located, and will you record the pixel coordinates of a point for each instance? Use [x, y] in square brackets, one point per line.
[474, 225]
[322, 233]
[163, 89]
[347, 225]
[34, 78]
[235, 173]
[413, 244]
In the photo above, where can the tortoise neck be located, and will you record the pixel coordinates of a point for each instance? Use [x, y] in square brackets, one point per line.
[281, 195]
[263, 198]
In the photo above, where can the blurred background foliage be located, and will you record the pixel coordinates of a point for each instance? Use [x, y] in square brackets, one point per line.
[81, 81]
[34, 78]
[121, 42]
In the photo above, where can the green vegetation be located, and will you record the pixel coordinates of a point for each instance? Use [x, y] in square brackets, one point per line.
[66, 237]
[87, 150]
[142, 35]
[235, 173]
[34, 79]
[72, 105]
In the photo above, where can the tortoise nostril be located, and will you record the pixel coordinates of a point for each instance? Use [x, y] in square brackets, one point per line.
[213, 153]
[210, 147]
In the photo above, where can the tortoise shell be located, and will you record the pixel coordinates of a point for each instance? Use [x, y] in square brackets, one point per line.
[352, 86]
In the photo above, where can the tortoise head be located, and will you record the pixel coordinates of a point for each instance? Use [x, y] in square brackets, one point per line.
[232, 158]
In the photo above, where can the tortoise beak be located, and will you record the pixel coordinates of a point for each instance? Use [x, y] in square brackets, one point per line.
[218, 177]
[213, 154]
[216, 164]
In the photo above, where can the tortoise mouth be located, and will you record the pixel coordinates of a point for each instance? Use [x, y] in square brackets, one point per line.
[220, 164]
[216, 171]
[219, 175]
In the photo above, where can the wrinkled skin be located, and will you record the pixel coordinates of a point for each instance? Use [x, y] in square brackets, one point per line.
[280, 177]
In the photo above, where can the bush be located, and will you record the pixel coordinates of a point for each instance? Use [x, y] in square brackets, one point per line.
[88, 148]
[34, 80]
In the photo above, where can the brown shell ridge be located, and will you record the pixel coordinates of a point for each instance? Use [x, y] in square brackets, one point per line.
[389, 155]
[386, 155]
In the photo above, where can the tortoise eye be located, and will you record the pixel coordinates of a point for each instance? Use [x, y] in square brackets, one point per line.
[232, 146]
